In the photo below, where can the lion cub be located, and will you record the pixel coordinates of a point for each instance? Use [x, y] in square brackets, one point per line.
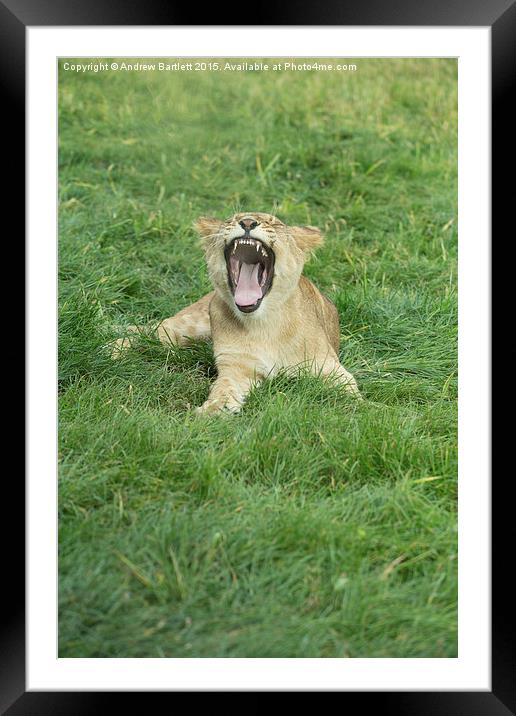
[263, 315]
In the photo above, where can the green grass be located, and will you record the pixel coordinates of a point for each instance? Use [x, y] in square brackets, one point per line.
[308, 525]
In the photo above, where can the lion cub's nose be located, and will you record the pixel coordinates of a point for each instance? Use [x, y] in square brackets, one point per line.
[248, 224]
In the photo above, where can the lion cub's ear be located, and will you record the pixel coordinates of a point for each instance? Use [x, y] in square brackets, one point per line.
[308, 238]
[207, 227]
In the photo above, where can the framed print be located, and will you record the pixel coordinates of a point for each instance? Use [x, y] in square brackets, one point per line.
[259, 279]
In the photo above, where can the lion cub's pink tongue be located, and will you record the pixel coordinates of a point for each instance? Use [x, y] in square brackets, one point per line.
[248, 290]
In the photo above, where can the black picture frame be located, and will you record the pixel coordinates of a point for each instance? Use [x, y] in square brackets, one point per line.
[500, 16]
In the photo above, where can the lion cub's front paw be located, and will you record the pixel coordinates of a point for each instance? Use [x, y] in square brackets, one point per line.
[218, 405]
[352, 388]
[119, 347]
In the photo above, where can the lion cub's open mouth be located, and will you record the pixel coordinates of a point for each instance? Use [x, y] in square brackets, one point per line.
[250, 265]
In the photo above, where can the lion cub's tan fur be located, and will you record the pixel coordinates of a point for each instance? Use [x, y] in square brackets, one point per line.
[294, 326]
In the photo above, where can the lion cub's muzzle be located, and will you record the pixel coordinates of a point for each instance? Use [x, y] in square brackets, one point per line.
[250, 265]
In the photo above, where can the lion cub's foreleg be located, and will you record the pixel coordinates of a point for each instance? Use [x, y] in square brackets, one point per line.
[192, 323]
[234, 381]
[331, 368]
